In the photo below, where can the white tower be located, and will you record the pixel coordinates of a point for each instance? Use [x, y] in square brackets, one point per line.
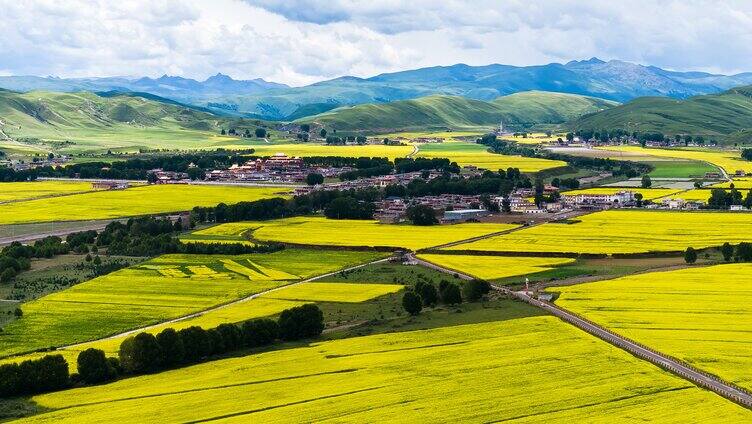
[501, 127]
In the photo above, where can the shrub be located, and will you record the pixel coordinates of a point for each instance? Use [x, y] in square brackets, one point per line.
[140, 354]
[93, 366]
[473, 290]
[259, 332]
[171, 344]
[301, 322]
[411, 302]
[449, 293]
[690, 255]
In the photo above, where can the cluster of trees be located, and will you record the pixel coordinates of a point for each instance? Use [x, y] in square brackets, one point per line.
[16, 257]
[422, 215]
[616, 167]
[147, 353]
[501, 182]
[347, 207]
[258, 132]
[643, 138]
[747, 154]
[742, 252]
[722, 199]
[566, 183]
[425, 294]
[35, 376]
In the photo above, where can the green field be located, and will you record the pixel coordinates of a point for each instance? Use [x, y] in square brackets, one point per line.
[478, 155]
[342, 232]
[527, 369]
[166, 287]
[623, 231]
[130, 202]
[32, 190]
[702, 315]
[680, 169]
[333, 292]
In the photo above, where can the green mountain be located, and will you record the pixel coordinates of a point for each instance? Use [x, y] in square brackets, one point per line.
[87, 121]
[727, 115]
[520, 111]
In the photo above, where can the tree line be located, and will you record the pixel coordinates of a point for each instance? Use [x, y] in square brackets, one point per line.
[425, 294]
[147, 353]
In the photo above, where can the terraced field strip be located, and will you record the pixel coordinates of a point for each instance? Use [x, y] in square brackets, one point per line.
[703, 379]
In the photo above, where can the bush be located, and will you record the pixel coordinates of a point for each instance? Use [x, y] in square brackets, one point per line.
[140, 354]
[412, 303]
[259, 332]
[690, 255]
[449, 293]
[427, 292]
[473, 290]
[171, 344]
[301, 322]
[93, 366]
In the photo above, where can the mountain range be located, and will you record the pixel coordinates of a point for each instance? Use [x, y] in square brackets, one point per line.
[613, 80]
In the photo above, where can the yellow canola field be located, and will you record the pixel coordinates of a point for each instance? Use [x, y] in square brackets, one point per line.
[700, 315]
[695, 195]
[333, 292]
[343, 232]
[729, 160]
[739, 184]
[306, 150]
[535, 369]
[164, 288]
[647, 193]
[444, 135]
[494, 267]
[623, 231]
[478, 155]
[130, 202]
[35, 189]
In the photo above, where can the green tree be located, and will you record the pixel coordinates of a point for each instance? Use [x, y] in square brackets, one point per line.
[427, 292]
[646, 182]
[422, 215]
[727, 251]
[638, 198]
[140, 354]
[93, 366]
[322, 133]
[301, 322]
[411, 302]
[196, 342]
[171, 345]
[690, 255]
[259, 332]
[97, 260]
[231, 335]
[260, 132]
[305, 128]
[473, 290]
[313, 179]
[449, 293]
[743, 252]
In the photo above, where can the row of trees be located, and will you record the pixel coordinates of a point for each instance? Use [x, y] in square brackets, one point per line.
[425, 294]
[34, 376]
[742, 252]
[16, 257]
[722, 199]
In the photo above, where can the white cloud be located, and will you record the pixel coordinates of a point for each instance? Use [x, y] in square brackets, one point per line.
[303, 41]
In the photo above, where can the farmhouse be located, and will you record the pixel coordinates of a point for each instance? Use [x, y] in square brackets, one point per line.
[600, 200]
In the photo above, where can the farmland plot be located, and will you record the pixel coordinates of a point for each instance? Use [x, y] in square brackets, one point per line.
[700, 315]
[35, 189]
[478, 155]
[623, 231]
[494, 267]
[534, 369]
[167, 287]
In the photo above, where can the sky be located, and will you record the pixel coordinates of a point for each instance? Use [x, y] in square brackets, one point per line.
[299, 42]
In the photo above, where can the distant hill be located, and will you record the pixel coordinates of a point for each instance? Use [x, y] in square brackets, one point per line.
[521, 110]
[89, 121]
[727, 115]
[614, 80]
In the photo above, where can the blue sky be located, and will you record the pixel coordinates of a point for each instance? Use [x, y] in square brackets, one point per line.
[302, 41]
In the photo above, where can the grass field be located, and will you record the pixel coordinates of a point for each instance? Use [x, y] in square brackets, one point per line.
[31, 190]
[166, 287]
[679, 168]
[130, 202]
[531, 369]
[333, 232]
[726, 159]
[622, 231]
[702, 314]
[333, 292]
[478, 155]
[647, 193]
[494, 267]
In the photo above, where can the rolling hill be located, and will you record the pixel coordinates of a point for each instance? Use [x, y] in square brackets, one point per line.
[727, 115]
[88, 121]
[521, 110]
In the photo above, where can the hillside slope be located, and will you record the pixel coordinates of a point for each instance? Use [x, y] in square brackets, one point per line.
[521, 110]
[721, 115]
[84, 120]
